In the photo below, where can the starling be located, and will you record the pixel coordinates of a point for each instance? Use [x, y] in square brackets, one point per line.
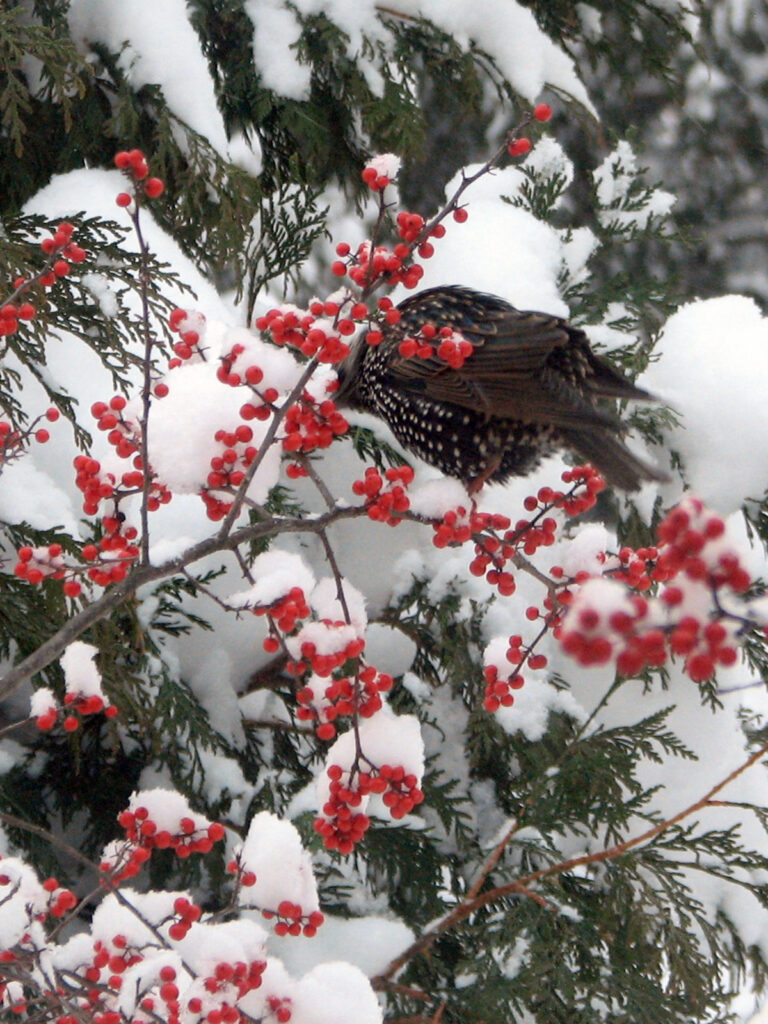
[530, 386]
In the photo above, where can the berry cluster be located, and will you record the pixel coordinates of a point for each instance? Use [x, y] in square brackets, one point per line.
[325, 701]
[26, 900]
[292, 920]
[312, 335]
[220, 990]
[244, 877]
[496, 542]
[61, 252]
[190, 327]
[40, 563]
[371, 264]
[186, 914]
[60, 900]
[520, 145]
[188, 834]
[385, 504]
[281, 1009]
[310, 425]
[77, 707]
[14, 442]
[698, 572]
[283, 614]
[343, 823]
[229, 466]
[123, 433]
[11, 313]
[134, 165]
[251, 375]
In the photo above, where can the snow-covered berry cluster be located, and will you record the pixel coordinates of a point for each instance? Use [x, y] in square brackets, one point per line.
[190, 327]
[694, 614]
[284, 614]
[157, 820]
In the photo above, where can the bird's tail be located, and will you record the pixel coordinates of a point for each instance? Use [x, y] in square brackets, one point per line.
[616, 462]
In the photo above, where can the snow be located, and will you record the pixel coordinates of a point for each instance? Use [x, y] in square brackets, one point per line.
[182, 431]
[22, 896]
[369, 943]
[436, 497]
[711, 369]
[276, 573]
[547, 160]
[326, 604]
[210, 679]
[500, 249]
[157, 45]
[166, 807]
[389, 649]
[335, 993]
[276, 28]
[283, 868]
[29, 495]
[80, 673]
[41, 701]
[612, 182]
[505, 30]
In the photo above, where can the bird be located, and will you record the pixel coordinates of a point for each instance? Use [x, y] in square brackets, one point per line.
[530, 386]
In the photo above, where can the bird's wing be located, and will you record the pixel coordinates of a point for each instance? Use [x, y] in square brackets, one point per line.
[518, 369]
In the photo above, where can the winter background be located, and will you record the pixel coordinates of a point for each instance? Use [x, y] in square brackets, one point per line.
[709, 365]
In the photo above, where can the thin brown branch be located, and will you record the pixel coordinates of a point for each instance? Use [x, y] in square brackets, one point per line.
[278, 415]
[469, 906]
[74, 627]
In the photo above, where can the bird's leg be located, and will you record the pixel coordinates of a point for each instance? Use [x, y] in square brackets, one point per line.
[477, 483]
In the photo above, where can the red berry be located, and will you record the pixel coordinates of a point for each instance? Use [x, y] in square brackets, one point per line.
[519, 147]
[542, 112]
[154, 187]
[123, 199]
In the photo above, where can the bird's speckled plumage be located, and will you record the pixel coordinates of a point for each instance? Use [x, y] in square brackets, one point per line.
[532, 385]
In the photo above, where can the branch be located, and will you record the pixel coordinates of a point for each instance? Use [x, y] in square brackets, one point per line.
[475, 900]
[278, 416]
[144, 574]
